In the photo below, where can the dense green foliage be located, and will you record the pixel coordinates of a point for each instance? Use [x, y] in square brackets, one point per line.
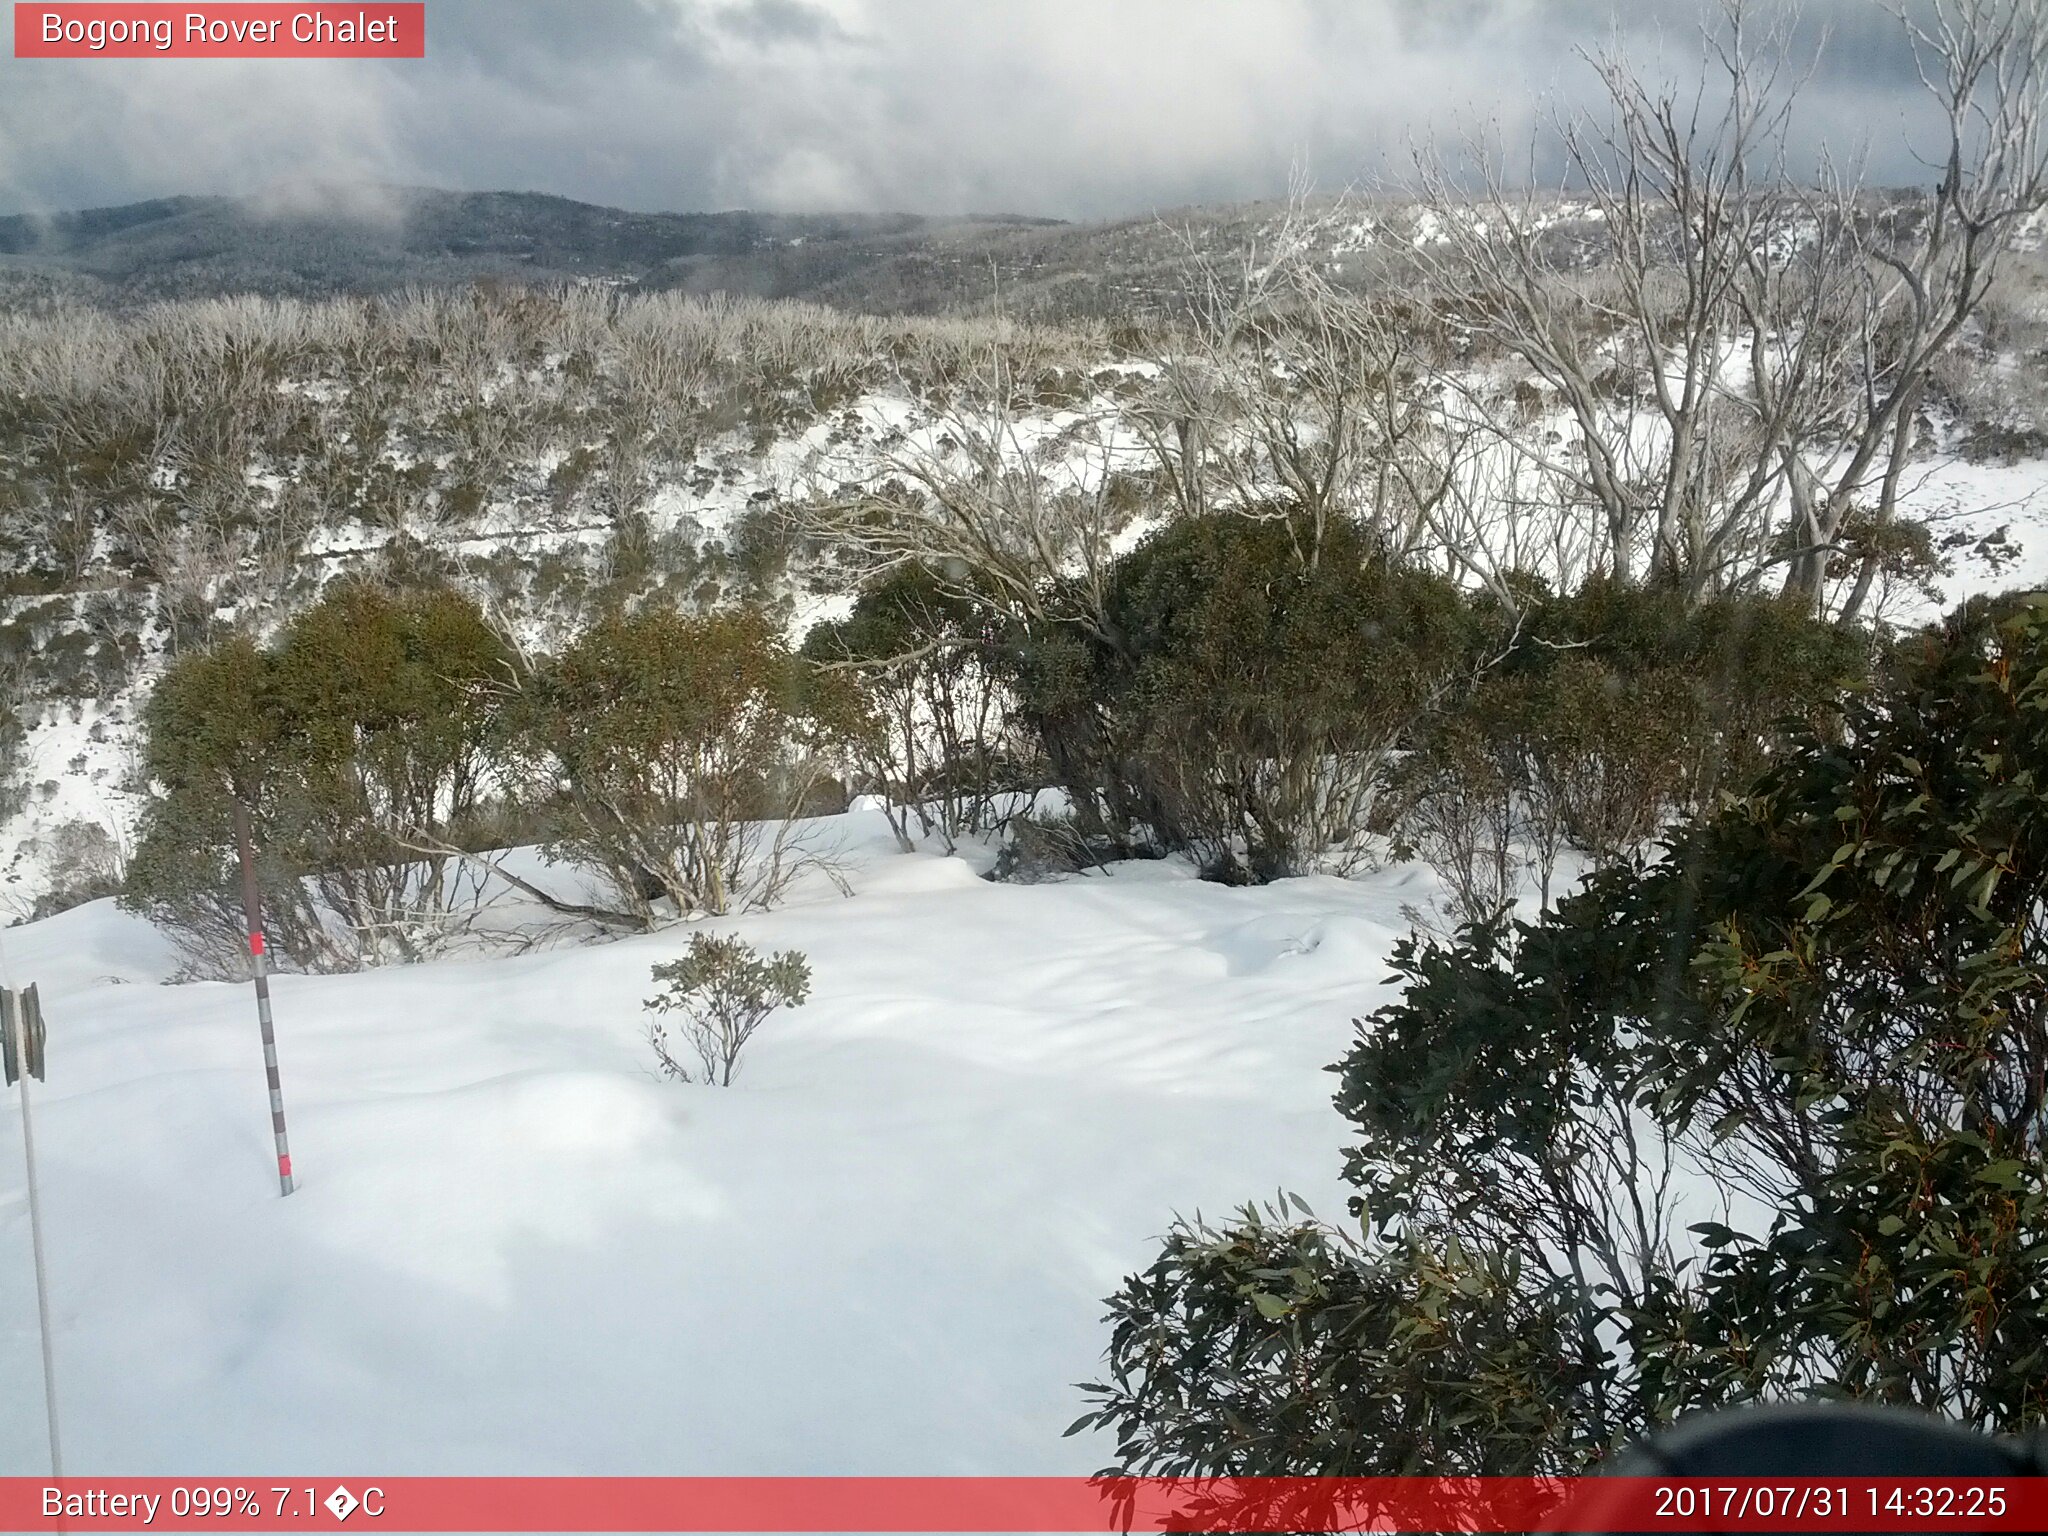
[1763, 1119]
[1264, 681]
[1241, 696]
[359, 746]
[1272, 694]
[1267, 694]
[681, 745]
[388, 742]
[1593, 718]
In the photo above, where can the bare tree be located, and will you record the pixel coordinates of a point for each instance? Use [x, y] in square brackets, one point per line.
[1985, 62]
[999, 507]
[1737, 353]
[1284, 390]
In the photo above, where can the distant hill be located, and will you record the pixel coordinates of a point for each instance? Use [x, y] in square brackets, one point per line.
[370, 239]
[317, 241]
[328, 240]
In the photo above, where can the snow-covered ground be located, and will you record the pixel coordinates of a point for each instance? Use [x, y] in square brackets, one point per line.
[515, 1250]
[2005, 504]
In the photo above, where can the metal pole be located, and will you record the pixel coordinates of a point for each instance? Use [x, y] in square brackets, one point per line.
[252, 918]
[11, 1020]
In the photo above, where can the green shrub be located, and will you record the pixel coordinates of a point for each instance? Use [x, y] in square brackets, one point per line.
[1761, 1121]
[1252, 689]
[762, 540]
[361, 748]
[1596, 718]
[682, 746]
[725, 991]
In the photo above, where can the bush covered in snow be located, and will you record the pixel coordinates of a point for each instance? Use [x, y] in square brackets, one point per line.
[85, 862]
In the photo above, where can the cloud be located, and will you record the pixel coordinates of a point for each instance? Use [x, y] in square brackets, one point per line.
[91, 132]
[776, 21]
[1077, 108]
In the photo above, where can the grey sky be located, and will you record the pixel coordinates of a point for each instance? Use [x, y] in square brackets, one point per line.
[1072, 108]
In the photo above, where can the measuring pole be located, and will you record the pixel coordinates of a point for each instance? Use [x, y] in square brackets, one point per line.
[259, 958]
[14, 1009]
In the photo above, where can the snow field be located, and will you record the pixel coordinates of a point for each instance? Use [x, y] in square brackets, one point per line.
[515, 1250]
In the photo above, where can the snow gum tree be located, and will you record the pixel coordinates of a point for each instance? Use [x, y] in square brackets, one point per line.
[671, 752]
[361, 747]
[1734, 348]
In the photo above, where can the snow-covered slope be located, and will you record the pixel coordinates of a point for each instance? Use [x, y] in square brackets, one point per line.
[514, 1250]
[529, 560]
[172, 475]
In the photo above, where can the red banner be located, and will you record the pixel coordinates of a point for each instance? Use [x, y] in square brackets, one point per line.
[1049, 1504]
[372, 30]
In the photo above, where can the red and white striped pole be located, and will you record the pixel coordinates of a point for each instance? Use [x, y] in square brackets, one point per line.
[259, 959]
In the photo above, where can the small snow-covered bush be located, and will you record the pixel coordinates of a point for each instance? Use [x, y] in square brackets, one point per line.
[725, 990]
